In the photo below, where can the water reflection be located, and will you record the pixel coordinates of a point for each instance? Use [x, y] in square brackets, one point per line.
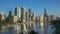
[11, 30]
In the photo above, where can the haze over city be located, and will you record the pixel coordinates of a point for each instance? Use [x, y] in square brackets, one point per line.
[37, 6]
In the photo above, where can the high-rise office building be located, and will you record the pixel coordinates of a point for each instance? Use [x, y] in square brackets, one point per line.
[50, 18]
[10, 17]
[37, 19]
[26, 16]
[34, 17]
[23, 14]
[41, 19]
[45, 14]
[17, 12]
[2, 16]
[30, 14]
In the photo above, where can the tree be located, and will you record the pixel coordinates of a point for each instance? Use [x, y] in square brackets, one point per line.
[56, 24]
[33, 32]
[0, 23]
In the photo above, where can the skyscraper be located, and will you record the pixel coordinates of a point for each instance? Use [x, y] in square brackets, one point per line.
[45, 14]
[26, 16]
[30, 14]
[10, 17]
[17, 12]
[34, 17]
[23, 14]
[41, 19]
[45, 22]
[2, 16]
[50, 18]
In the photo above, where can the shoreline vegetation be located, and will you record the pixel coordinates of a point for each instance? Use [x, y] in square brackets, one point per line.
[56, 24]
[5, 23]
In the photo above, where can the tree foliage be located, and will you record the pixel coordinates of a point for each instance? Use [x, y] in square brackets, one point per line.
[56, 24]
[0, 23]
[33, 32]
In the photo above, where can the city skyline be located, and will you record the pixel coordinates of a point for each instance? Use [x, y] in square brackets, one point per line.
[29, 16]
[52, 6]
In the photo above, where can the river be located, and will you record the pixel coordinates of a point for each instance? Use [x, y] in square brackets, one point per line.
[12, 31]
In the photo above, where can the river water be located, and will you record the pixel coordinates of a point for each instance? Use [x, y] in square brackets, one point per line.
[12, 31]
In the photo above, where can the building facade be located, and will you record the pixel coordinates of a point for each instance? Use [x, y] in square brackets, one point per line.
[30, 14]
[10, 17]
[15, 19]
[34, 17]
[17, 12]
[23, 14]
[50, 18]
[2, 16]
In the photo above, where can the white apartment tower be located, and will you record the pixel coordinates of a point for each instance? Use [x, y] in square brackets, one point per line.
[23, 14]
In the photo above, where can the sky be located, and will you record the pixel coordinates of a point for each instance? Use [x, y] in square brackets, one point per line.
[37, 6]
